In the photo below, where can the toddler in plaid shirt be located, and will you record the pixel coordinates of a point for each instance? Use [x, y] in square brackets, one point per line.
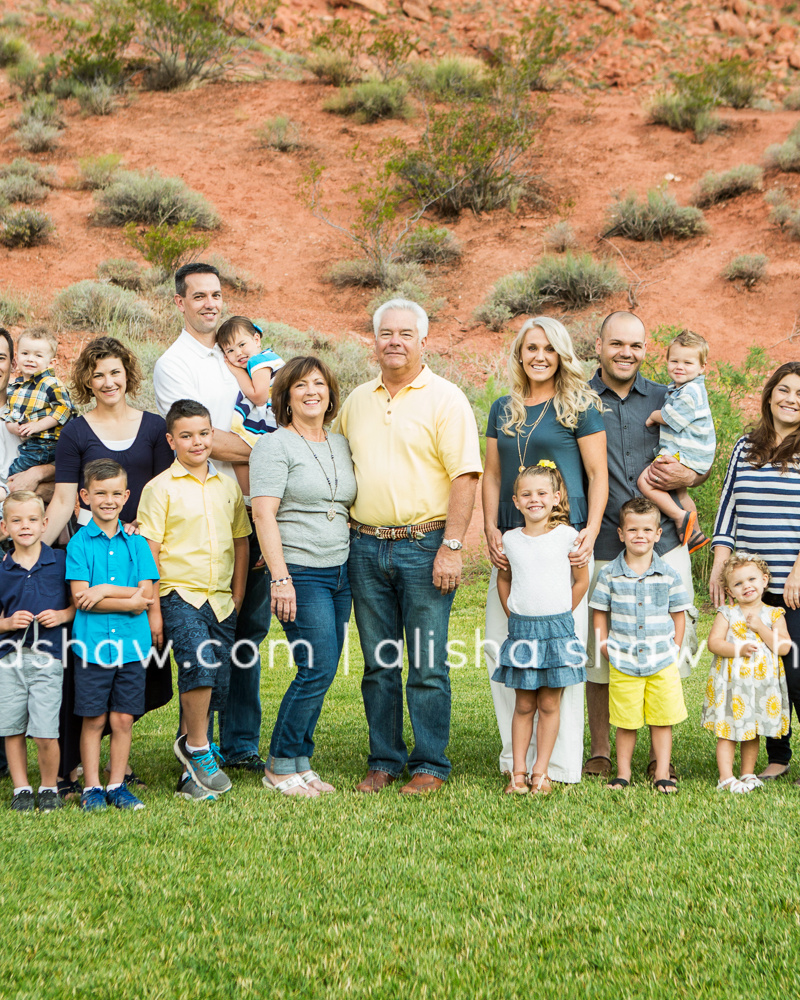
[38, 404]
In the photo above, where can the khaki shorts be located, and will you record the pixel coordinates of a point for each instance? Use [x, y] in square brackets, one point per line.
[30, 694]
[656, 700]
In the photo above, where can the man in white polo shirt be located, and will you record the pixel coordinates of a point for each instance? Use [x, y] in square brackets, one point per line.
[193, 367]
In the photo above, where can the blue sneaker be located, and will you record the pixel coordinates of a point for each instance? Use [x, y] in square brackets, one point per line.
[123, 799]
[93, 800]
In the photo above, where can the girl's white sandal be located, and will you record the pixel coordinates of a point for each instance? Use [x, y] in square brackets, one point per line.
[733, 785]
[752, 781]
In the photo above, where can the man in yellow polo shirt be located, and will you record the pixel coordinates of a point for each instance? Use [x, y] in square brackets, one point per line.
[417, 460]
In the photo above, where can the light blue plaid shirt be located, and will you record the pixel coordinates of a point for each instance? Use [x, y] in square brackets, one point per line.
[689, 430]
[641, 637]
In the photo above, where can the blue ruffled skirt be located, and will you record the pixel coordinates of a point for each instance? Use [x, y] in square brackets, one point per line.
[541, 652]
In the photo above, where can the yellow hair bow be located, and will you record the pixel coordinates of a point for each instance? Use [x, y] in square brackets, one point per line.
[545, 463]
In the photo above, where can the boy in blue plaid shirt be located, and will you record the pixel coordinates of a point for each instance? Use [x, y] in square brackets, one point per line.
[38, 404]
[639, 603]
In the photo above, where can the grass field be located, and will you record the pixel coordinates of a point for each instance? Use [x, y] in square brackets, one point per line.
[468, 893]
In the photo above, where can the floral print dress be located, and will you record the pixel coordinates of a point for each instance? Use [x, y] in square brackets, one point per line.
[748, 697]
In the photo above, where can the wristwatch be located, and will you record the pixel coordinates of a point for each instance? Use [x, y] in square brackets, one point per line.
[453, 543]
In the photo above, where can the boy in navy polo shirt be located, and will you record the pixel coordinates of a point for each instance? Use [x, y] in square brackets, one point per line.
[35, 606]
[112, 576]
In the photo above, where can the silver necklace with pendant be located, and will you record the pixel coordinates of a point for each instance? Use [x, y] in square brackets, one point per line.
[331, 511]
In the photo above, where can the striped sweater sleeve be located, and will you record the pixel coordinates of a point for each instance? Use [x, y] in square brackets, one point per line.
[725, 526]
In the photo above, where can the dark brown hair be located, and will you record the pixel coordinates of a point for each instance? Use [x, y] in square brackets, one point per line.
[292, 372]
[761, 447]
[100, 469]
[639, 505]
[99, 350]
[183, 409]
[196, 267]
[227, 332]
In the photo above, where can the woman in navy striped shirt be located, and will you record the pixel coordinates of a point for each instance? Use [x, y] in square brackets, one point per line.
[760, 513]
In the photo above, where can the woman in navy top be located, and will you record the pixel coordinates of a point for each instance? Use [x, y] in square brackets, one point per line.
[106, 372]
[759, 513]
[551, 413]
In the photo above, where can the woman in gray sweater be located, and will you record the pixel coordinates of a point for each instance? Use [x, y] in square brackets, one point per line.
[302, 485]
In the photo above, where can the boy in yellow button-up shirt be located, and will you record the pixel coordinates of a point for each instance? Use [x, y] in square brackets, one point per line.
[197, 526]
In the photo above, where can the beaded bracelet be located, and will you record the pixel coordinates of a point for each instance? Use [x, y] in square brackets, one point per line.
[279, 583]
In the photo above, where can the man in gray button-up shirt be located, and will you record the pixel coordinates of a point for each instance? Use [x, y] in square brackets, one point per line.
[628, 400]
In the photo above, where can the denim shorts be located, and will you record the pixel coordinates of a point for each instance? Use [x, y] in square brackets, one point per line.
[201, 646]
[109, 689]
[32, 452]
[30, 695]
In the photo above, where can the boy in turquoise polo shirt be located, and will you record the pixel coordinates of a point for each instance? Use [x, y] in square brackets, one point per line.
[111, 575]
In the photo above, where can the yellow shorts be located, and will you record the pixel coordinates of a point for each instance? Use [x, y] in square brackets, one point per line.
[656, 700]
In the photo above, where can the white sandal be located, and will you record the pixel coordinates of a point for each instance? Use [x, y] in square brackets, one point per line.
[752, 781]
[309, 776]
[293, 781]
[734, 785]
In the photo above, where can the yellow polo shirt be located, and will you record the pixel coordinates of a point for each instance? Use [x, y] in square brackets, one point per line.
[408, 449]
[196, 524]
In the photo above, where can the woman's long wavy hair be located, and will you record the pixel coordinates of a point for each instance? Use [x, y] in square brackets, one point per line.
[762, 448]
[573, 395]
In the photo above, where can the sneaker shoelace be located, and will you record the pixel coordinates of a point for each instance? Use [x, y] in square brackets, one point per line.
[206, 760]
[217, 752]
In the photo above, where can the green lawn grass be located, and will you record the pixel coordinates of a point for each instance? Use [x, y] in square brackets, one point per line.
[468, 893]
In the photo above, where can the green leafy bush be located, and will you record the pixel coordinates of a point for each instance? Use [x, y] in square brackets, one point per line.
[30, 170]
[657, 216]
[570, 281]
[93, 305]
[279, 133]
[559, 237]
[152, 200]
[747, 268]
[472, 156]
[714, 187]
[430, 245]
[231, 276]
[335, 53]
[452, 78]
[122, 272]
[13, 50]
[781, 209]
[389, 52]
[367, 274]
[371, 101]
[529, 60]
[98, 171]
[37, 137]
[21, 188]
[166, 246]
[25, 227]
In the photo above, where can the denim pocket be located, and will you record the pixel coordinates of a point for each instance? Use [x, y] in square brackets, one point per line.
[430, 542]
[658, 596]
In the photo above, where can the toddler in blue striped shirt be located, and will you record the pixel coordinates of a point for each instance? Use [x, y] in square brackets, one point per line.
[687, 433]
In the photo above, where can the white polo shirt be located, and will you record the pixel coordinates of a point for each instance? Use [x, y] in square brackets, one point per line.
[188, 370]
[9, 449]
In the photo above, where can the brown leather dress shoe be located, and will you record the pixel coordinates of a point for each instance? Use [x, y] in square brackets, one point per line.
[375, 781]
[421, 783]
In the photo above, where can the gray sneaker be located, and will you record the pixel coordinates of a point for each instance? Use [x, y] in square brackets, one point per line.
[203, 767]
[23, 802]
[189, 789]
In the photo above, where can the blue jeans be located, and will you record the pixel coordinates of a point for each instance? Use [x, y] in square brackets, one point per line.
[317, 636]
[393, 593]
[779, 750]
[240, 723]
[32, 452]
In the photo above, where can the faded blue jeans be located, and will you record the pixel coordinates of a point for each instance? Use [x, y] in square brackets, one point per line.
[393, 595]
[317, 636]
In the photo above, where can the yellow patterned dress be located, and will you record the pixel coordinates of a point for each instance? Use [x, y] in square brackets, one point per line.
[746, 698]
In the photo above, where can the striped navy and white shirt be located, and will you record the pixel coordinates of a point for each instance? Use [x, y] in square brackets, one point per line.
[641, 635]
[759, 512]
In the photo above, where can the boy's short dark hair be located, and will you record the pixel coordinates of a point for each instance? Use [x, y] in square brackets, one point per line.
[101, 469]
[639, 505]
[227, 332]
[185, 408]
[198, 267]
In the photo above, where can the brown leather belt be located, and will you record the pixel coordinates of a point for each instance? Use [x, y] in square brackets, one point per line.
[395, 534]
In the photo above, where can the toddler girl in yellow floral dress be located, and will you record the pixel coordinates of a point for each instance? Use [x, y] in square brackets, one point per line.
[746, 694]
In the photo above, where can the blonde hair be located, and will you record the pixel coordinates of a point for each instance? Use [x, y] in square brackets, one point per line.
[560, 513]
[693, 341]
[39, 333]
[738, 559]
[573, 396]
[22, 496]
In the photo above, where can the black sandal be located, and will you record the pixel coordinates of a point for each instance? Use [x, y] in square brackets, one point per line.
[664, 783]
[618, 783]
